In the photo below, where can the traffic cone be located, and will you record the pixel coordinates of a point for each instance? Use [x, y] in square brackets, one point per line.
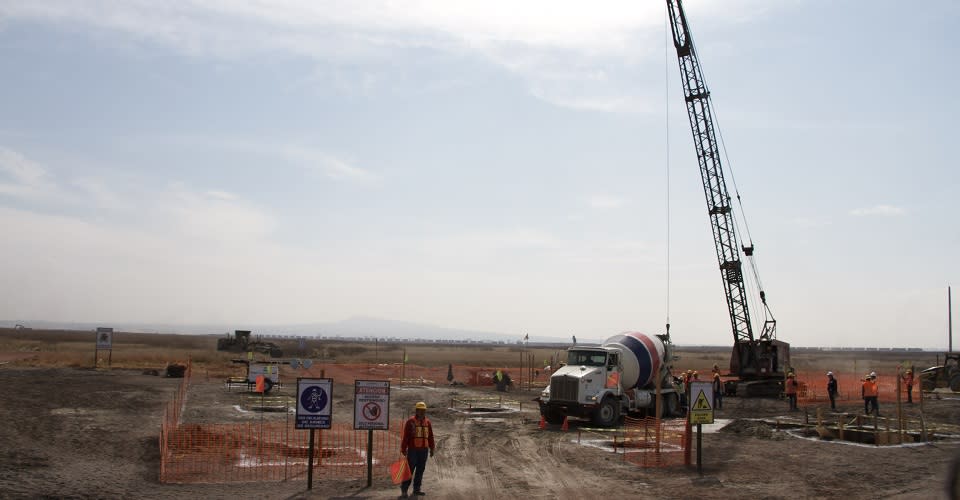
[565, 425]
[543, 423]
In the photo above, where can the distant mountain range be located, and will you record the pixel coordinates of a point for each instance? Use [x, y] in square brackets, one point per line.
[356, 327]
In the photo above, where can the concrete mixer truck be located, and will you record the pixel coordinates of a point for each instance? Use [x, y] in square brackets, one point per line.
[619, 377]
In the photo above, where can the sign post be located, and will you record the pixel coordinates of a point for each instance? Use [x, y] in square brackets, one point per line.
[314, 405]
[104, 343]
[701, 412]
[371, 411]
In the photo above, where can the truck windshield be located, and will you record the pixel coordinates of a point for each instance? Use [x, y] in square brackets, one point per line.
[588, 358]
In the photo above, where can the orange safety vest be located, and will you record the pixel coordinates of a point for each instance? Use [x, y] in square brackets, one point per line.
[870, 389]
[791, 387]
[417, 434]
[908, 379]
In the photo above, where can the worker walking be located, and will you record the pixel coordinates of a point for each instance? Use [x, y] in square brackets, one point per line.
[790, 389]
[908, 380]
[869, 391]
[832, 390]
[415, 443]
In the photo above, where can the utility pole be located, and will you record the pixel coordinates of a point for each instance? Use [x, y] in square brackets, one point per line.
[950, 319]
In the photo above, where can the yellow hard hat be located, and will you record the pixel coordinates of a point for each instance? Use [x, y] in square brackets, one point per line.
[421, 406]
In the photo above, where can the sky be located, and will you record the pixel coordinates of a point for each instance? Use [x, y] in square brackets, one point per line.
[522, 168]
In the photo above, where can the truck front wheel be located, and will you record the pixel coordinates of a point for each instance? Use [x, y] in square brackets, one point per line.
[608, 414]
[670, 406]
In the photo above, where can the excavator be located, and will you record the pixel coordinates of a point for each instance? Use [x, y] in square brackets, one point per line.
[759, 362]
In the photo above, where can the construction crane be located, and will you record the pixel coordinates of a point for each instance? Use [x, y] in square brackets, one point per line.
[758, 362]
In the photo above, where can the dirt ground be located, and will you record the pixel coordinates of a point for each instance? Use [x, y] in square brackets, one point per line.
[85, 433]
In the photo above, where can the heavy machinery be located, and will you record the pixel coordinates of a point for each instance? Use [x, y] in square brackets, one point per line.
[620, 376]
[944, 375]
[240, 342]
[759, 362]
[269, 370]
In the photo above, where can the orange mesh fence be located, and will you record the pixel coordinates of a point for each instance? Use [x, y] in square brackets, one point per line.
[272, 451]
[400, 374]
[651, 442]
[173, 410]
[813, 387]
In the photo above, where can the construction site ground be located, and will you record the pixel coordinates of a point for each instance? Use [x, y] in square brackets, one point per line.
[85, 433]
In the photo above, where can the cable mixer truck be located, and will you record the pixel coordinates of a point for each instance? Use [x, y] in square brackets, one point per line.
[619, 377]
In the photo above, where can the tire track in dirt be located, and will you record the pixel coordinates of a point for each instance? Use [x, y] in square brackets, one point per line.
[510, 457]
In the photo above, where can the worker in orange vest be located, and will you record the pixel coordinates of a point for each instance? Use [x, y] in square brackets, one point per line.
[908, 380]
[416, 442]
[790, 389]
[870, 393]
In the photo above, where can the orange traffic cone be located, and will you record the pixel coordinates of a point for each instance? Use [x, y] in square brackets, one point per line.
[543, 423]
[565, 425]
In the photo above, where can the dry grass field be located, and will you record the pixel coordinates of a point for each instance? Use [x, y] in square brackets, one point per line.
[78, 432]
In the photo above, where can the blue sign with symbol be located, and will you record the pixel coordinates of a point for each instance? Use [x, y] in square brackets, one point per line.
[314, 403]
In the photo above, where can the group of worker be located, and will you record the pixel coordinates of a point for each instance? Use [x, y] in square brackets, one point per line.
[690, 376]
[869, 391]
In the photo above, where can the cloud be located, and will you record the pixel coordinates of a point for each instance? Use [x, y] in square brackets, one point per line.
[23, 178]
[878, 210]
[570, 54]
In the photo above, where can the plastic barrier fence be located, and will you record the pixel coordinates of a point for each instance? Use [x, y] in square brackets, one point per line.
[218, 453]
[813, 387]
[649, 442]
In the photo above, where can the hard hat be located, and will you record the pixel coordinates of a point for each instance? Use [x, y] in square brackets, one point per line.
[829, 374]
[908, 371]
[695, 373]
[421, 406]
[790, 375]
[873, 374]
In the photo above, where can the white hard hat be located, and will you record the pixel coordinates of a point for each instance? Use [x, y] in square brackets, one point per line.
[873, 374]
[829, 374]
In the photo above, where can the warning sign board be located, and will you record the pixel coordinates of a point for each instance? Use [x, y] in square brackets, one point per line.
[701, 403]
[104, 338]
[314, 403]
[371, 404]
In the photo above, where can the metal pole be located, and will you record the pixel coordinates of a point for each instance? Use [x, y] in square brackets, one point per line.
[699, 448]
[950, 318]
[310, 462]
[369, 457]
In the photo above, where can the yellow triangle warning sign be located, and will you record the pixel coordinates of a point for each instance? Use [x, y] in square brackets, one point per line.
[701, 403]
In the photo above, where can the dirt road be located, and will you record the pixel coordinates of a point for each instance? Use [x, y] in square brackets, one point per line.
[81, 433]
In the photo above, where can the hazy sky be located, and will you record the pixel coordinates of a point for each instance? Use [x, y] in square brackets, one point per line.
[492, 165]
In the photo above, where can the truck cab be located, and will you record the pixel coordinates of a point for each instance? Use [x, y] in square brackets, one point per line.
[602, 383]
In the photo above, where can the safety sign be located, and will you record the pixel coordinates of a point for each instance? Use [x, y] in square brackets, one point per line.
[104, 338]
[314, 403]
[701, 407]
[371, 404]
